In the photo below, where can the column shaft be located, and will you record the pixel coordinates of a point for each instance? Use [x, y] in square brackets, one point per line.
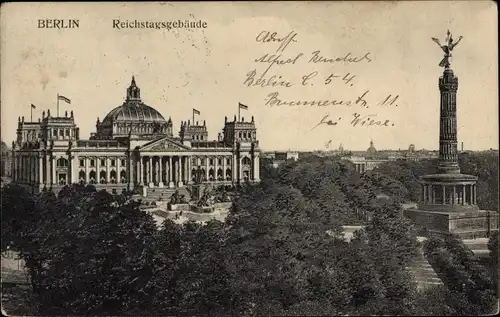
[86, 163]
[160, 162]
[53, 170]
[444, 195]
[170, 169]
[471, 200]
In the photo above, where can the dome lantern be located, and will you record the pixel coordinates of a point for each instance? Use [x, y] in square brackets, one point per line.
[133, 92]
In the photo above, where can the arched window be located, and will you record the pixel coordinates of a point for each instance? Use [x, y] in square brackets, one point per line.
[112, 176]
[228, 174]
[62, 162]
[211, 175]
[246, 161]
[61, 132]
[102, 177]
[123, 177]
[92, 177]
[81, 176]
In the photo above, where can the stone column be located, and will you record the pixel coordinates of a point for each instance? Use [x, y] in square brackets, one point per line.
[141, 167]
[157, 171]
[224, 168]
[424, 188]
[216, 167]
[453, 201]
[53, 170]
[463, 195]
[160, 161]
[118, 171]
[107, 171]
[444, 195]
[475, 194]
[138, 171]
[189, 160]
[206, 167]
[170, 166]
[150, 172]
[186, 168]
[86, 163]
[47, 169]
[234, 168]
[70, 168]
[471, 200]
[179, 172]
[40, 169]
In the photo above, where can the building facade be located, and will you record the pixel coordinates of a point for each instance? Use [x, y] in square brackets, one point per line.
[134, 146]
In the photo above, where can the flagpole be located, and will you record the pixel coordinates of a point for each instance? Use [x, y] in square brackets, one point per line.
[239, 110]
[193, 116]
[31, 108]
[58, 105]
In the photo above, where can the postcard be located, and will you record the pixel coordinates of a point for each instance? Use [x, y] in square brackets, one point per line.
[249, 158]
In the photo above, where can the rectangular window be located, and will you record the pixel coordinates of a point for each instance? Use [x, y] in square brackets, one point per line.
[82, 162]
[219, 161]
[103, 162]
[113, 162]
[202, 162]
[211, 161]
[229, 161]
[92, 163]
[123, 162]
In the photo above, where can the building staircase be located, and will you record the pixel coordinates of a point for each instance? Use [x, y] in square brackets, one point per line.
[158, 193]
[423, 272]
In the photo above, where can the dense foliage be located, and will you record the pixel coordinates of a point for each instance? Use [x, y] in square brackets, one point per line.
[481, 164]
[470, 287]
[279, 252]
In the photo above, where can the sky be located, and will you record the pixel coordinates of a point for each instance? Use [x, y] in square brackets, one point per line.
[206, 68]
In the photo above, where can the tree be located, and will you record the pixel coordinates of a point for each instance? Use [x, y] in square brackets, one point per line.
[18, 216]
[90, 255]
[470, 285]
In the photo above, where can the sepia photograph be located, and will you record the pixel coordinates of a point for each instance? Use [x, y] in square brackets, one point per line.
[258, 158]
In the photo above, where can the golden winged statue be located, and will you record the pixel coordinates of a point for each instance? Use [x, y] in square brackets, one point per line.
[447, 48]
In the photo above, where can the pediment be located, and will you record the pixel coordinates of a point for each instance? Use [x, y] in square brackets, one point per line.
[164, 144]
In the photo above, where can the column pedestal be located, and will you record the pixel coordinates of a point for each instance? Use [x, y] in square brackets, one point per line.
[171, 185]
[161, 185]
[180, 184]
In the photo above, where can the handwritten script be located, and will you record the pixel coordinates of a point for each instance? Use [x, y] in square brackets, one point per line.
[337, 74]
